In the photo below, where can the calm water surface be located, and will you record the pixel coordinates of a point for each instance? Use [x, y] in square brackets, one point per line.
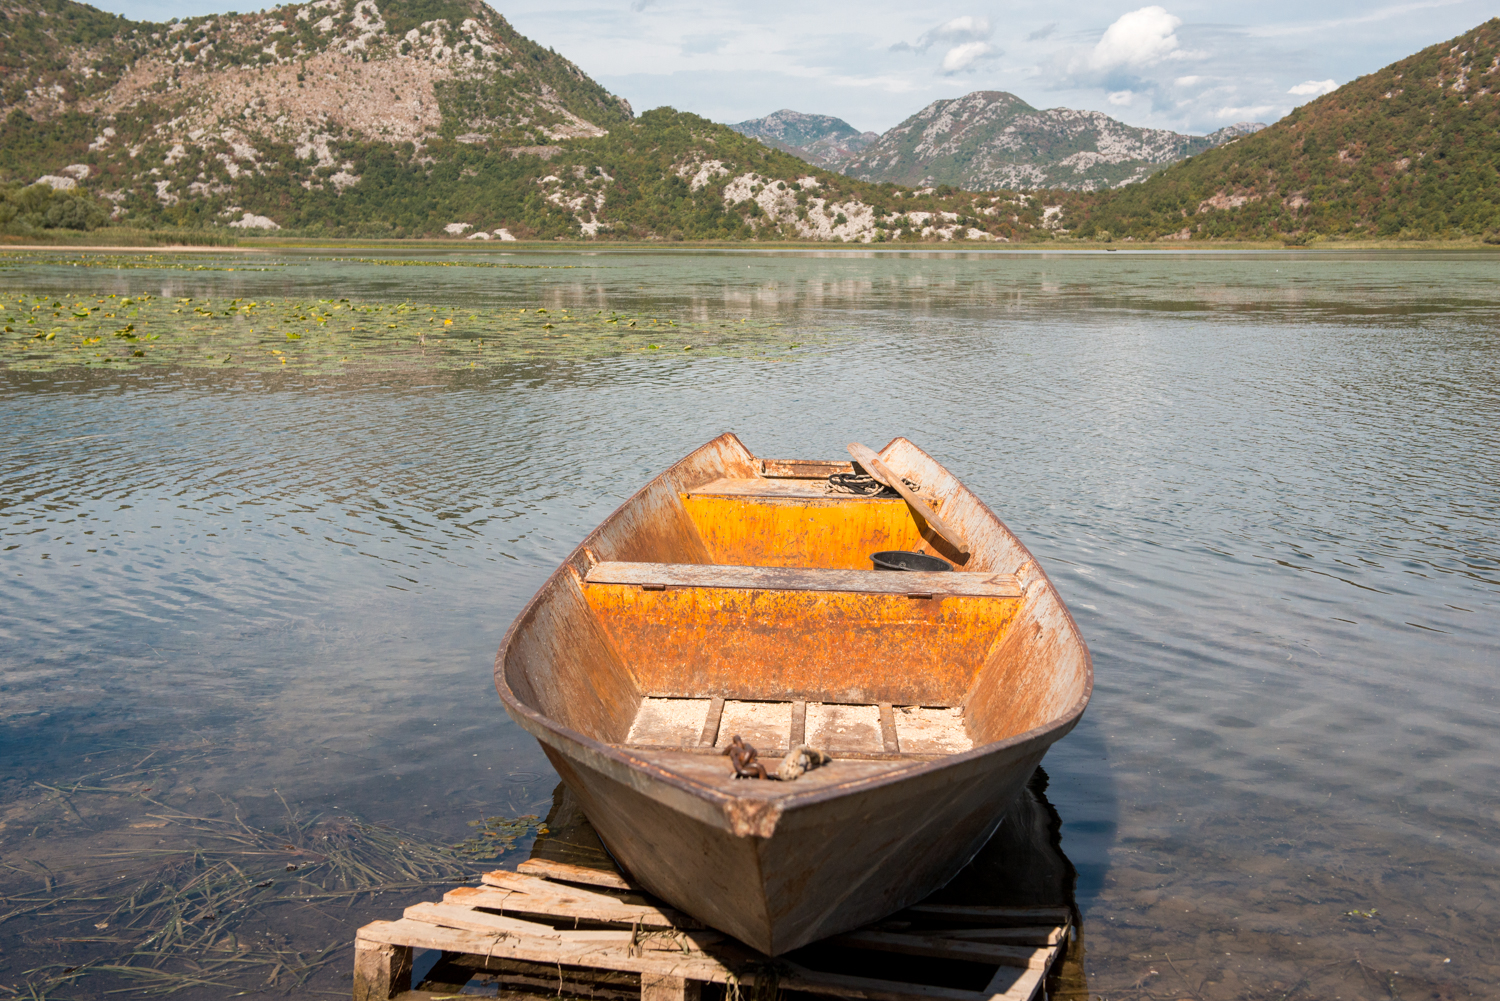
[1264, 484]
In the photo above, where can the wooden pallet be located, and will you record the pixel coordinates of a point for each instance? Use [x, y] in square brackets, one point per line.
[555, 923]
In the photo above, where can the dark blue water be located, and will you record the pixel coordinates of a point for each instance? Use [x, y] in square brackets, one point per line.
[1264, 483]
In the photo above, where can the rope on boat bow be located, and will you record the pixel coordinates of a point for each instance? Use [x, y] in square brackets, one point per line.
[865, 485]
[798, 760]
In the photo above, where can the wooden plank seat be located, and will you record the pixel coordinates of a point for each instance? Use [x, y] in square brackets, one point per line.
[658, 576]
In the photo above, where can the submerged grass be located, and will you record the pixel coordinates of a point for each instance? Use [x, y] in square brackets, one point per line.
[210, 910]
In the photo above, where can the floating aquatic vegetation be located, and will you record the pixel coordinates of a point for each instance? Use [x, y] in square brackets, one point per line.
[152, 262]
[499, 834]
[47, 332]
[397, 262]
[209, 905]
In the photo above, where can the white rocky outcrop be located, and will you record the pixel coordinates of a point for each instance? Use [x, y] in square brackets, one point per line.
[251, 221]
[1222, 201]
[701, 174]
[582, 193]
[782, 205]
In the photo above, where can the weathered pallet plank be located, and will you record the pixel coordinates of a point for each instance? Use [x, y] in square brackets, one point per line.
[672, 960]
[1009, 936]
[944, 948]
[981, 914]
[649, 956]
[563, 872]
[999, 934]
[461, 916]
[516, 892]
[847, 986]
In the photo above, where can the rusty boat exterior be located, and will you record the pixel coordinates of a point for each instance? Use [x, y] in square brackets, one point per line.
[733, 596]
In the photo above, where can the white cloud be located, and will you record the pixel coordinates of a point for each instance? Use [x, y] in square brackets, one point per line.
[1120, 98]
[816, 57]
[1366, 16]
[1141, 38]
[1187, 81]
[959, 30]
[1314, 88]
[1257, 113]
[962, 57]
[1124, 55]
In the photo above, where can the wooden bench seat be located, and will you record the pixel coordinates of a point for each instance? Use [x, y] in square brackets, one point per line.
[657, 576]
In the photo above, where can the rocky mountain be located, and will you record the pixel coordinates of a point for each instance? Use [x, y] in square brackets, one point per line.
[818, 139]
[1410, 151]
[991, 140]
[211, 114]
[395, 118]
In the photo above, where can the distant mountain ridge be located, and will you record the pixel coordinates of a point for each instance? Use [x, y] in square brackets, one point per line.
[819, 139]
[991, 140]
[986, 141]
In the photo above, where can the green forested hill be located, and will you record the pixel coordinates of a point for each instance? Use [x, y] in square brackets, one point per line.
[1411, 151]
[394, 118]
[666, 175]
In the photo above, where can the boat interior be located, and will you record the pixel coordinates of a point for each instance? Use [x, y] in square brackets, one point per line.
[747, 604]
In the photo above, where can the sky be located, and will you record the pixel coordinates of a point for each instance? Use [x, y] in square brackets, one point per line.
[1188, 66]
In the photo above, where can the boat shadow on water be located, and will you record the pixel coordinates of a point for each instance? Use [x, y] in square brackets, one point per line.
[1022, 865]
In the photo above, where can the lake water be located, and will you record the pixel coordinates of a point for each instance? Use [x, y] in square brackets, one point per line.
[1265, 484]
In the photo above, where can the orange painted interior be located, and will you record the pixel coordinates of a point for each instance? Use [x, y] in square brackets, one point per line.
[824, 646]
[796, 532]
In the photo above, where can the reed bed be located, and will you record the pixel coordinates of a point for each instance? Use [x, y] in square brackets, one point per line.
[222, 906]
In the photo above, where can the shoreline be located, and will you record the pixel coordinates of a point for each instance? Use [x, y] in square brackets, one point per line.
[131, 248]
[550, 246]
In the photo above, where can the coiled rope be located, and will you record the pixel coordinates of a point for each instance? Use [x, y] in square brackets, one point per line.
[864, 485]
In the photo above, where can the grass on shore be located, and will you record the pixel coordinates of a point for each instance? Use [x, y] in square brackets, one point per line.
[112, 238]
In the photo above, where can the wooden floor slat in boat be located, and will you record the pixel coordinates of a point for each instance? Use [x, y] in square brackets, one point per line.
[770, 726]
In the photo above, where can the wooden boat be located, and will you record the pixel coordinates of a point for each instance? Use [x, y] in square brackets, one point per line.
[734, 596]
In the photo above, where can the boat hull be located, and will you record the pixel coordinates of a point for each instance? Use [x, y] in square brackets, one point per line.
[779, 865]
[827, 868]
